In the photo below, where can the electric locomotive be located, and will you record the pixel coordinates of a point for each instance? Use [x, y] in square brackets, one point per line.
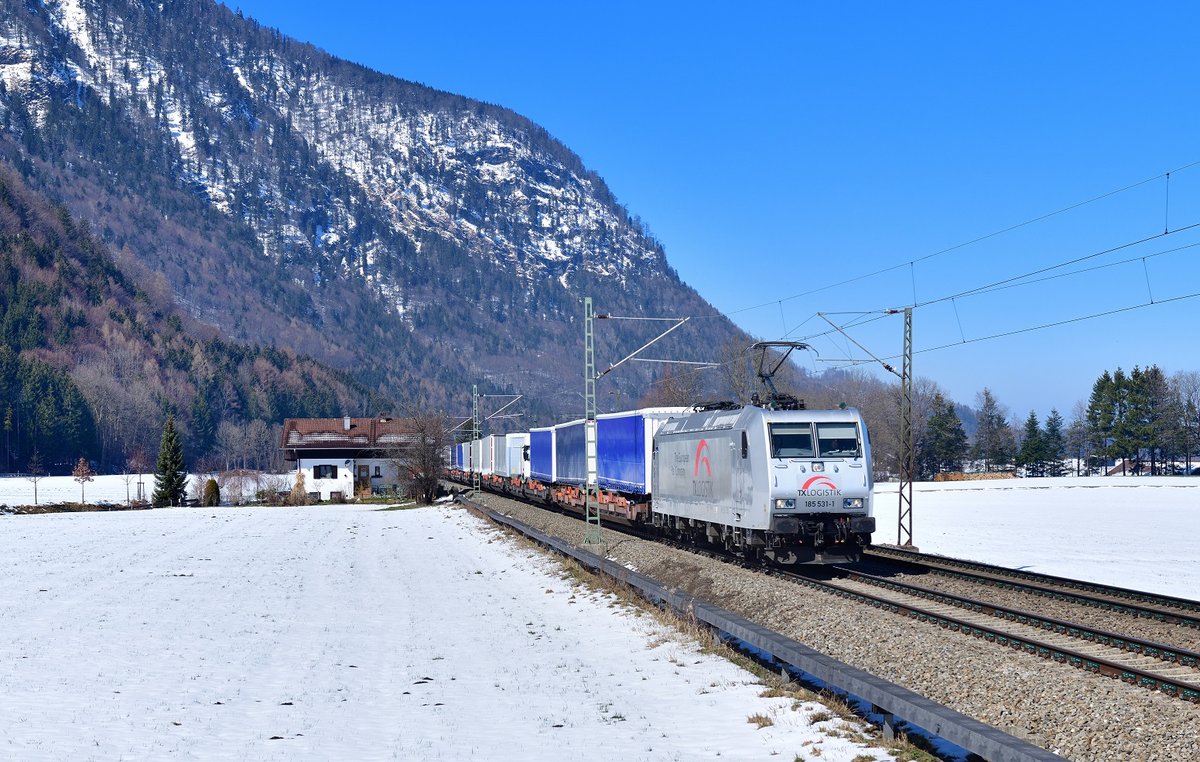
[790, 486]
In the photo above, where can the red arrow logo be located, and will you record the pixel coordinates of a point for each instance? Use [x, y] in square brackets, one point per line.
[702, 457]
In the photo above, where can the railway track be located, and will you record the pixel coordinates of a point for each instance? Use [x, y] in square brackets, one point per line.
[1135, 661]
[1162, 608]
[1174, 672]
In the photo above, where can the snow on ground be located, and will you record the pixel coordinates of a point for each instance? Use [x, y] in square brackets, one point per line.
[1134, 532]
[344, 632]
[1137, 532]
[111, 488]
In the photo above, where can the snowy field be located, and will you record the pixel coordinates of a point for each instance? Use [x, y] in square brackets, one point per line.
[1135, 532]
[17, 490]
[1138, 532]
[343, 632]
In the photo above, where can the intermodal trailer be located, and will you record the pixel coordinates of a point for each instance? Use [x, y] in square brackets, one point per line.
[541, 455]
[517, 454]
[475, 456]
[570, 453]
[495, 455]
[625, 447]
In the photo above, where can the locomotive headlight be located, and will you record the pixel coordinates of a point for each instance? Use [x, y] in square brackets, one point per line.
[784, 504]
[852, 502]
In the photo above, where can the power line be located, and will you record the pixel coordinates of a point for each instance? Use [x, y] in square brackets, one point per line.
[1085, 270]
[1028, 278]
[1031, 329]
[1024, 279]
[1039, 271]
[979, 239]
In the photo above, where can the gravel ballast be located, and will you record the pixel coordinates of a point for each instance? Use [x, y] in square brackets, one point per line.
[1079, 715]
[1164, 633]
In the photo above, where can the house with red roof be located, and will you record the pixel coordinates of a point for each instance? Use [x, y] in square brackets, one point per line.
[345, 457]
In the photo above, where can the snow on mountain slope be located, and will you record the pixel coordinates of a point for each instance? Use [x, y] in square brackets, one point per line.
[419, 168]
[290, 198]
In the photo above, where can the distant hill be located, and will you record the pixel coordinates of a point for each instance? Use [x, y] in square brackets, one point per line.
[90, 364]
[421, 241]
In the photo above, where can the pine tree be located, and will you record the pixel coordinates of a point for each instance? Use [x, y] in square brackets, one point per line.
[8, 427]
[170, 475]
[203, 430]
[993, 438]
[1054, 444]
[1101, 416]
[944, 445]
[1124, 430]
[1032, 456]
[1161, 418]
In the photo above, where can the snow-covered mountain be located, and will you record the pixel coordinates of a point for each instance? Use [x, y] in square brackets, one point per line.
[289, 197]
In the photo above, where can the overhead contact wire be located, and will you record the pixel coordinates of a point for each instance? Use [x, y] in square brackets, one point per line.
[964, 244]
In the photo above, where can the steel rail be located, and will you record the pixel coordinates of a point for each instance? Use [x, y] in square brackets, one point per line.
[1169, 609]
[1124, 671]
[1139, 646]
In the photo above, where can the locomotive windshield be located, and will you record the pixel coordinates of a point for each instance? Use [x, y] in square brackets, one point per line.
[838, 440]
[791, 440]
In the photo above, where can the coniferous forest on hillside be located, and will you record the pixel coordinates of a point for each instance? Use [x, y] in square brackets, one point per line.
[91, 365]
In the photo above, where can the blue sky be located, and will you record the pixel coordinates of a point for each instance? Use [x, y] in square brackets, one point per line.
[779, 149]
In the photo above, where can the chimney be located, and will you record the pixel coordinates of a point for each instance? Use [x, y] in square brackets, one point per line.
[346, 423]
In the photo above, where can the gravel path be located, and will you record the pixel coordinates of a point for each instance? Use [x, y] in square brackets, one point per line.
[1166, 634]
[1076, 714]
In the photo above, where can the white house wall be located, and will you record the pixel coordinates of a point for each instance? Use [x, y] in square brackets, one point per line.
[344, 483]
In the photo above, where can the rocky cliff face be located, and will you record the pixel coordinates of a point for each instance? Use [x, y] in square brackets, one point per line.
[422, 239]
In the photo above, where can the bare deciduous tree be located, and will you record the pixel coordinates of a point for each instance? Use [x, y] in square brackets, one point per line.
[37, 472]
[261, 443]
[231, 440]
[83, 474]
[674, 389]
[736, 370]
[100, 387]
[1186, 385]
[420, 461]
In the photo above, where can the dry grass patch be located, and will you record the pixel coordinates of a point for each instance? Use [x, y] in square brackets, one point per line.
[821, 715]
[761, 720]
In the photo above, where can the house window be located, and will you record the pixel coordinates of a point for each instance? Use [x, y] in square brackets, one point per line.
[377, 471]
[324, 472]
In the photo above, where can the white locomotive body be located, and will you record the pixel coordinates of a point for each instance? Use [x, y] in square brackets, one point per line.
[793, 486]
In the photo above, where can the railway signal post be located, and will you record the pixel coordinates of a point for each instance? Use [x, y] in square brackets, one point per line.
[594, 533]
[908, 452]
[476, 434]
[908, 459]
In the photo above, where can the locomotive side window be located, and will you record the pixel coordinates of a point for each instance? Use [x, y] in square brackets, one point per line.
[838, 440]
[791, 440]
[745, 446]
